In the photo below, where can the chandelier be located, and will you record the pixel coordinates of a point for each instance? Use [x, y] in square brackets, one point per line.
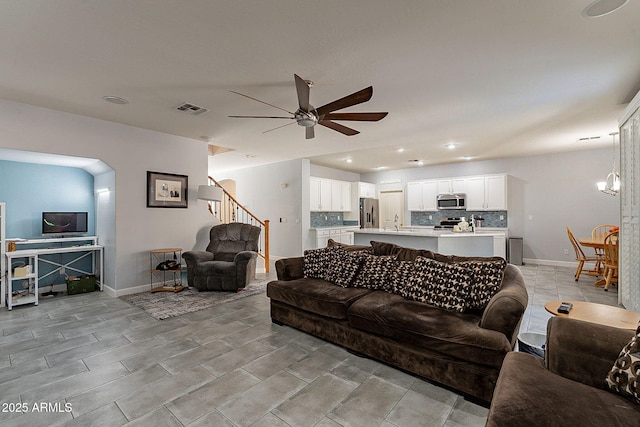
[612, 184]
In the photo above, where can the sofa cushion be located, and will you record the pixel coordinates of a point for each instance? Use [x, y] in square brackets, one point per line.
[438, 283]
[487, 278]
[624, 377]
[408, 254]
[316, 262]
[384, 248]
[333, 244]
[527, 394]
[400, 274]
[315, 295]
[417, 324]
[375, 272]
[343, 267]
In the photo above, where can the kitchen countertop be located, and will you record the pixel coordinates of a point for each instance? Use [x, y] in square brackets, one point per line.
[430, 232]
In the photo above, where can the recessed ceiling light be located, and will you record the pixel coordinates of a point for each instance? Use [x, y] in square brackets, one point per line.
[602, 7]
[349, 160]
[380, 167]
[417, 162]
[399, 150]
[466, 158]
[450, 146]
[115, 100]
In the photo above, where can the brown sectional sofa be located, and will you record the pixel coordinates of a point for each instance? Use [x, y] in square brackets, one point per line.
[568, 387]
[463, 351]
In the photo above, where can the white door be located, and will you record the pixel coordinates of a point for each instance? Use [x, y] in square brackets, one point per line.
[391, 204]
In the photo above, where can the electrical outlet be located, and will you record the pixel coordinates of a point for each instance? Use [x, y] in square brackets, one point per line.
[430, 216]
[501, 217]
[62, 270]
[566, 251]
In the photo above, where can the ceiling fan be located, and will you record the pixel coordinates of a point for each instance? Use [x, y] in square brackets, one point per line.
[308, 116]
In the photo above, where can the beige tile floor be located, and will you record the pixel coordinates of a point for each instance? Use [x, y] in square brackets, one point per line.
[111, 365]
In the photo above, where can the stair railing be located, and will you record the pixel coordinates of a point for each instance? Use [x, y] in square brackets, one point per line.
[230, 210]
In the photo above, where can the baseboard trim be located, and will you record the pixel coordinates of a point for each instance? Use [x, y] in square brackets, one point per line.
[535, 261]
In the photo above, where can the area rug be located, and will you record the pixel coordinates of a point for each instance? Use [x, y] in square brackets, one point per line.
[163, 305]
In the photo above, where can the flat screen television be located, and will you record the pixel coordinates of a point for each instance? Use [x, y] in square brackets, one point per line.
[64, 223]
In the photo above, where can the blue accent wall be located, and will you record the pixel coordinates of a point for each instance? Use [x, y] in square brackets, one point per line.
[28, 189]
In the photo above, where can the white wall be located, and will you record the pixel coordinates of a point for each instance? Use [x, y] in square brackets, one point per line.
[130, 152]
[559, 190]
[260, 189]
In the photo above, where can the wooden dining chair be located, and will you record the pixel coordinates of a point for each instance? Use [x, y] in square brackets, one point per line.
[610, 259]
[598, 233]
[582, 258]
[601, 231]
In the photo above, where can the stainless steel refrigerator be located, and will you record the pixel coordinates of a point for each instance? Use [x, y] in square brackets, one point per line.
[369, 215]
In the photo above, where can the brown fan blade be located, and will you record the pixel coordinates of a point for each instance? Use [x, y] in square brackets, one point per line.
[360, 117]
[262, 117]
[338, 127]
[355, 98]
[288, 124]
[309, 132]
[255, 99]
[302, 89]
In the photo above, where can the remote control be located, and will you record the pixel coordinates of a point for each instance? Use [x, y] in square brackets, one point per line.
[565, 307]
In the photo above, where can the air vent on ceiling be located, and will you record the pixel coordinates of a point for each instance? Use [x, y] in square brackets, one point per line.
[191, 109]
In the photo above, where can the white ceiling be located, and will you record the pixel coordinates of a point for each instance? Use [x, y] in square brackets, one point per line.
[498, 78]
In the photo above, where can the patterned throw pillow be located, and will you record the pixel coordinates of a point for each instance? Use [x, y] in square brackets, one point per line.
[439, 284]
[624, 377]
[316, 262]
[400, 275]
[343, 267]
[375, 272]
[487, 280]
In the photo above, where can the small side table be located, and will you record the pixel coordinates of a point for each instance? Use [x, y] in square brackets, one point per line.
[602, 314]
[166, 269]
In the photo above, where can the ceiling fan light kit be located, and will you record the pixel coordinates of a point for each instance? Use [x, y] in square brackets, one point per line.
[308, 116]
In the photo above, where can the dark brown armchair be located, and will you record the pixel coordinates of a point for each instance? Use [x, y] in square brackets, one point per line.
[229, 262]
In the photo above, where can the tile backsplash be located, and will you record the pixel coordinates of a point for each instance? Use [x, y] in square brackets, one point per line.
[490, 218]
[330, 219]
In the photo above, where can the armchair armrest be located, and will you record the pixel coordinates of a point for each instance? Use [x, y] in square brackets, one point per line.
[245, 262]
[197, 256]
[290, 268]
[244, 257]
[583, 351]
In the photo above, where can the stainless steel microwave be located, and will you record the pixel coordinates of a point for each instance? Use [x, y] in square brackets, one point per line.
[451, 201]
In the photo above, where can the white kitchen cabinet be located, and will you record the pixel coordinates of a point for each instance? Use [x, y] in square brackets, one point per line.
[486, 193]
[421, 195]
[345, 196]
[367, 190]
[475, 193]
[451, 185]
[496, 192]
[340, 235]
[328, 195]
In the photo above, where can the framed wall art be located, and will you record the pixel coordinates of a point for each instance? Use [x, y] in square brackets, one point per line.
[166, 190]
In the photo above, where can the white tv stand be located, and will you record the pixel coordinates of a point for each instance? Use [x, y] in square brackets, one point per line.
[83, 246]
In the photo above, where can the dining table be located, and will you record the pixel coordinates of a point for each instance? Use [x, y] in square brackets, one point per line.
[598, 247]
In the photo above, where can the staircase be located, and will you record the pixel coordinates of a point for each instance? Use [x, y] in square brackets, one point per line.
[230, 210]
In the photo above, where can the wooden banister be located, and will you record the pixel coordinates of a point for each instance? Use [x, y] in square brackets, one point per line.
[233, 211]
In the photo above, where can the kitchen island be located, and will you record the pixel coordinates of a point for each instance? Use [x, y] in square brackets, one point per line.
[447, 242]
